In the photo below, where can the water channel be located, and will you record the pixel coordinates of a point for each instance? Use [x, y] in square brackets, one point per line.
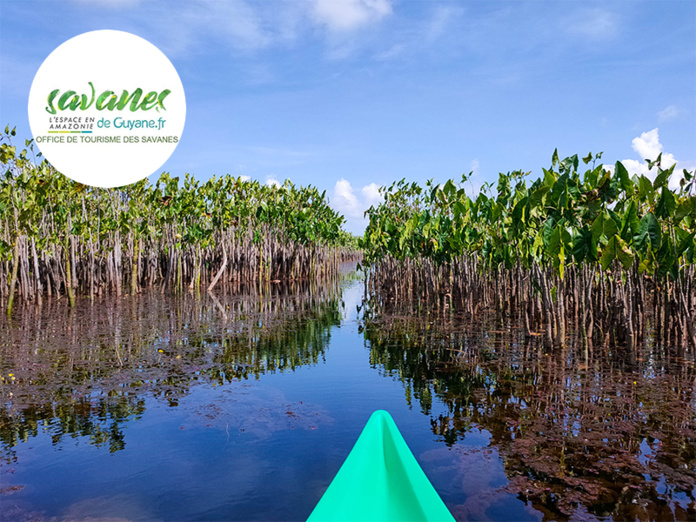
[243, 407]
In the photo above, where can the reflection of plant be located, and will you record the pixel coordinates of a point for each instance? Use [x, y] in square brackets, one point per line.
[100, 420]
[61, 237]
[152, 346]
[577, 430]
[561, 249]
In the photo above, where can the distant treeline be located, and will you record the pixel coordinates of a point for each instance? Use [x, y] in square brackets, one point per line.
[59, 237]
[609, 254]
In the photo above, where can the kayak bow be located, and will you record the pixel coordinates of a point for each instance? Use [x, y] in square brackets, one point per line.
[381, 481]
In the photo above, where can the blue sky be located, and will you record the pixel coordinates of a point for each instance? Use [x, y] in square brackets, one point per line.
[350, 95]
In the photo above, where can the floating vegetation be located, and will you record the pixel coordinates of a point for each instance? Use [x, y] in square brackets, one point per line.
[604, 253]
[59, 237]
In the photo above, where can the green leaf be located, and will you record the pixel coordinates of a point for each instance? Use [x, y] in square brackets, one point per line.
[665, 257]
[684, 208]
[657, 161]
[629, 222]
[597, 228]
[685, 243]
[649, 233]
[555, 241]
[584, 247]
[665, 204]
[616, 249]
[624, 180]
[662, 177]
[518, 212]
[547, 231]
[549, 177]
[645, 187]
[607, 185]
[537, 196]
[591, 176]
[647, 265]
[610, 226]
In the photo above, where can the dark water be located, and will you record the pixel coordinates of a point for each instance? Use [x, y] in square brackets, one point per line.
[244, 408]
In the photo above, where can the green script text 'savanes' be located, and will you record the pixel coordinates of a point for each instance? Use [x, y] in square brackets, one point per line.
[107, 100]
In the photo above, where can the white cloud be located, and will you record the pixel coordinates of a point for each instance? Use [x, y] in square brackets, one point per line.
[348, 15]
[245, 178]
[670, 112]
[270, 181]
[371, 195]
[346, 201]
[648, 147]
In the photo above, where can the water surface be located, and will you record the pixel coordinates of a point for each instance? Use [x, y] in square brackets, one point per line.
[244, 407]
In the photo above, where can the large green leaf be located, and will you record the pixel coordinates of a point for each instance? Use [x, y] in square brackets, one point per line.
[666, 258]
[555, 241]
[666, 204]
[662, 177]
[629, 222]
[584, 247]
[598, 228]
[547, 231]
[685, 242]
[518, 214]
[649, 233]
[537, 197]
[616, 249]
[591, 176]
[684, 208]
[611, 227]
[606, 186]
[645, 188]
[624, 181]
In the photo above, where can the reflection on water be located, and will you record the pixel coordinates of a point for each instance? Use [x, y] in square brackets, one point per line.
[244, 407]
[578, 431]
[86, 372]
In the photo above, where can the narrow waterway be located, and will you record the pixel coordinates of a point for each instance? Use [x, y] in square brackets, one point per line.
[244, 408]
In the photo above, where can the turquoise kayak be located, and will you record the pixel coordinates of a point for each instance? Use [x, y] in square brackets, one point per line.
[380, 481]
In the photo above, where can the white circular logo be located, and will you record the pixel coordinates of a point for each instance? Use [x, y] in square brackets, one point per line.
[107, 108]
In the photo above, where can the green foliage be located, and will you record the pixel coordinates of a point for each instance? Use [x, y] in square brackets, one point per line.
[174, 228]
[38, 201]
[559, 219]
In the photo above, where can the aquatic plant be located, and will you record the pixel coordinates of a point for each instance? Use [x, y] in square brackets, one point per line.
[606, 253]
[59, 237]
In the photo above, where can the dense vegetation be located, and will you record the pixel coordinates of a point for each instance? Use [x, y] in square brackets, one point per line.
[58, 237]
[611, 254]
